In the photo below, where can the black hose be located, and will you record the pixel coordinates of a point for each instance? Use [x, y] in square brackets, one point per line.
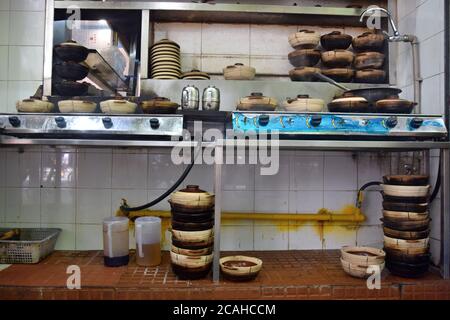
[364, 187]
[125, 208]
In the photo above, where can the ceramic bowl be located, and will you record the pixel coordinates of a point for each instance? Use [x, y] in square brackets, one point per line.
[363, 256]
[240, 268]
[357, 271]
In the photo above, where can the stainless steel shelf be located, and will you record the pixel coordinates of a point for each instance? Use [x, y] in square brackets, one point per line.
[323, 145]
[227, 13]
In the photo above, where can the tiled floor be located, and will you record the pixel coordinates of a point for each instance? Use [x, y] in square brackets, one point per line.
[285, 275]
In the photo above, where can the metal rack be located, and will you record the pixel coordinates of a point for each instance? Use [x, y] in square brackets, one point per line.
[233, 13]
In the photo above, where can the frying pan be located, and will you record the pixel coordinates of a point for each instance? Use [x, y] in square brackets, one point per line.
[372, 95]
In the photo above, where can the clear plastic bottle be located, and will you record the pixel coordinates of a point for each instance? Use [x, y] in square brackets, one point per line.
[148, 241]
[116, 241]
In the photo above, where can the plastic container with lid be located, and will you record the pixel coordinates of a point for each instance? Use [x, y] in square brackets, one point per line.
[115, 241]
[148, 241]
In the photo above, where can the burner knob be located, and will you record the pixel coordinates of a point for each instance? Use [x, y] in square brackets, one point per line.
[15, 121]
[154, 123]
[315, 121]
[107, 123]
[391, 122]
[416, 123]
[263, 120]
[60, 122]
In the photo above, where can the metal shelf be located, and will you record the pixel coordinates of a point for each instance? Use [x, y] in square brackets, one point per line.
[228, 13]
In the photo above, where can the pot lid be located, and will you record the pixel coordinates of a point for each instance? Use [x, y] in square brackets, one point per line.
[193, 189]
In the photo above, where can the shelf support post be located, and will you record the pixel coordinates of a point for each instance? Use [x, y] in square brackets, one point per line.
[218, 156]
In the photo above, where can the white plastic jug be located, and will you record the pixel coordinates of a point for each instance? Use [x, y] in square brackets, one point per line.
[148, 241]
[116, 241]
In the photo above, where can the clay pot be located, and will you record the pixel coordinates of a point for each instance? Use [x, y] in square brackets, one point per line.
[349, 104]
[192, 226]
[118, 106]
[191, 197]
[239, 71]
[406, 235]
[405, 191]
[185, 273]
[190, 252]
[69, 88]
[71, 51]
[340, 74]
[337, 58]
[420, 225]
[192, 236]
[407, 270]
[240, 268]
[369, 41]
[357, 271]
[363, 256]
[399, 256]
[159, 105]
[369, 60]
[405, 207]
[304, 57]
[303, 103]
[76, 106]
[304, 39]
[395, 105]
[35, 105]
[405, 216]
[336, 40]
[407, 180]
[70, 70]
[257, 102]
[304, 74]
[370, 76]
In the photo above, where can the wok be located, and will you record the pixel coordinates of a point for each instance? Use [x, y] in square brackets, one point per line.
[372, 95]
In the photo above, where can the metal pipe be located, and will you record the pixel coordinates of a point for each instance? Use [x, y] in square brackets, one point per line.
[324, 215]
[416, 72]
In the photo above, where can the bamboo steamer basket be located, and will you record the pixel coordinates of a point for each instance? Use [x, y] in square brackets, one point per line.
[405, 191]
[239, 71]
[405, 216]
[190, 261]
[76, 106]
[118, 107]
[193, 236]
[303, 103]
[192, 196]
[363, 256]
[241, 272]
[304, 39]
[357, 271]
[34, 105]
[407, 251]
[394, 243]
[192, 252]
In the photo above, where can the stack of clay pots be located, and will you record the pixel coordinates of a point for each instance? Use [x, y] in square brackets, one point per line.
[369, 60]
[361, 262]
[406, 224]
[306, 55]
[336, 58]
[192, 232]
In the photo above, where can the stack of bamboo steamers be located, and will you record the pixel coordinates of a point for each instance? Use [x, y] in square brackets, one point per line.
[406, 224]
[192, 232]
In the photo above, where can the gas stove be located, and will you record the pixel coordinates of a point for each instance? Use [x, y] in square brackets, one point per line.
[340, 125]
[88, 125]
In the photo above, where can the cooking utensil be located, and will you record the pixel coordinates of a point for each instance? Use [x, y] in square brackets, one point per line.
[186, 273]
[240, 268]
[407, 180]
[407, 270]
[337, 58]
[304, 39]
[405, 216]
[407, 225]
[399, 256]
[401, 243]
[118, 106]
[70, 70]
[192, 195]
[192, 226]
[339, 74]
[336, 40]
[33, 104]
[71, 51]
[303, 103]
[159, 105]
[406, 235]
[211, 99]
[304, 74]
[239, 71]
[395, 105]
[369, 41]
[76, 106]
[192, 236]
[190, 99]
[195, 74]
[191, 252]
[350, 104]
[69, 88]
[257, 102]
[357, 271]
[363, 256]
[370, 76]
[304, 57]
[417, 200]
[369, 60]
[406, 191]
[164, 43]
[405, 207]
[193, 245]
[372, 95]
